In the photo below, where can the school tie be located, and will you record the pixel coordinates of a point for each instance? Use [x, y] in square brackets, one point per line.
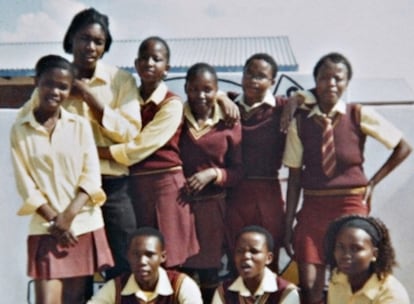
[328, 148]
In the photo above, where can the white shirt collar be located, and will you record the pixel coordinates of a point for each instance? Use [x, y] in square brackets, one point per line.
[163, 287]
[268, 99]
[268, 284]
[339, 107]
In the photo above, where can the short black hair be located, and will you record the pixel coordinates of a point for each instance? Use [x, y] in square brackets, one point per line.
[144, 43]
[379, 235]
[84, 18]
[260, 230]
[266, 57]
[48, 62]
[335, 58]
[199, 68]
[146, 231]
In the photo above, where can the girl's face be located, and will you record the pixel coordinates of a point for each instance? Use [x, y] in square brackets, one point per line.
[354, 252]
[152, 64]
[54, 87]
[257, 79]
[88, 46]
[201, 92]
[251, 256]
[331, 82]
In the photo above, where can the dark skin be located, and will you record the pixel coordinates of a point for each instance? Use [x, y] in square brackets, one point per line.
[88, 47]
[54, 86]
[201, 92]
[331, 81]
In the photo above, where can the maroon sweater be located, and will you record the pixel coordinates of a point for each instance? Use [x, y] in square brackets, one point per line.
[219, 148]
[349, 147]
[168, 155]
[262, 141]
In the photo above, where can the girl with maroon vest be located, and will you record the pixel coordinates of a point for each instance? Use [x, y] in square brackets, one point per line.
[334, 183]
[257, 199]
[156, 172]
[211, 154]
[256, 283]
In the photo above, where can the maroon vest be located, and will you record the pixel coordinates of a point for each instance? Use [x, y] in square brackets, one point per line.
[175, 278]
[168, 155]
[349, 147]
[262, 141]
[231, 297]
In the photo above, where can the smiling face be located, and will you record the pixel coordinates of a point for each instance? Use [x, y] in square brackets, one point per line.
[54, 87]
[354, 252]
[331, 82]
[88, 46]
[251, 256]
[152, 62]
[201, 90]
[257, 79]
[145, 255]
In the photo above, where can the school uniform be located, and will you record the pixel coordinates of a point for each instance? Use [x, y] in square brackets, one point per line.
[156, 174]
[343, 192]
[47, 172]
[272, 289]
[212, 145]
[121, 122]
[172, 287]
[257, 199]
[375, 291]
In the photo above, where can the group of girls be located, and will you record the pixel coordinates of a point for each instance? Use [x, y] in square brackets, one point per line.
[177, 167]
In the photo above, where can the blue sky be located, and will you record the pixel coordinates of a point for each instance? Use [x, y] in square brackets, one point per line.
[376, 35]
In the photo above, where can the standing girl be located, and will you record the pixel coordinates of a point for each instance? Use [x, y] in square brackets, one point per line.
[60, 188]
[325, 156]
[156, 172]
[211, 154]
[107, 97]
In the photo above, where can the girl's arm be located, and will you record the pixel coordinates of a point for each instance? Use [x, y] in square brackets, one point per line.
[292, 201]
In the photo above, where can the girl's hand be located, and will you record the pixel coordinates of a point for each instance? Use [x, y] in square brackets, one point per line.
[60, 229]
[368, 194]
[289, 109]
[198, 181]
[79, 89]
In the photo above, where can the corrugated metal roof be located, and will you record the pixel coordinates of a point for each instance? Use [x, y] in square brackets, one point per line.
[226, 54]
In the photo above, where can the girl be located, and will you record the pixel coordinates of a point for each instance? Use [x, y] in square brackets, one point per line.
[324, 153]
[107, 97]
[211, 154]
[60, 188]
[156, 172]
[358, 249]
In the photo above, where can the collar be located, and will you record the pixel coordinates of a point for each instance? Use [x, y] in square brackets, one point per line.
[370, 290]
[29, 116]
[269, 99]
[162, 288]
[268, 284]
[101, 73]
[157, 96]
[339, 107]
[217, 116]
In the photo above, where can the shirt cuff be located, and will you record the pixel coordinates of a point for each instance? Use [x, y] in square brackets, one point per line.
[31, 204]
[220, 177]
[119, 154]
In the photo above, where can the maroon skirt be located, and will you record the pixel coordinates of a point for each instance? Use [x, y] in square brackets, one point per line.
[313, 220]
[256, 202]
[48, 260]
[158, 203]
[209, 220]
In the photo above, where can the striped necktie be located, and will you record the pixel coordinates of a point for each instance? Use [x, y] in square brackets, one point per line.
[328, 148]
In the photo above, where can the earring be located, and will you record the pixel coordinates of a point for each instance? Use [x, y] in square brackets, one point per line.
[374, 259]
